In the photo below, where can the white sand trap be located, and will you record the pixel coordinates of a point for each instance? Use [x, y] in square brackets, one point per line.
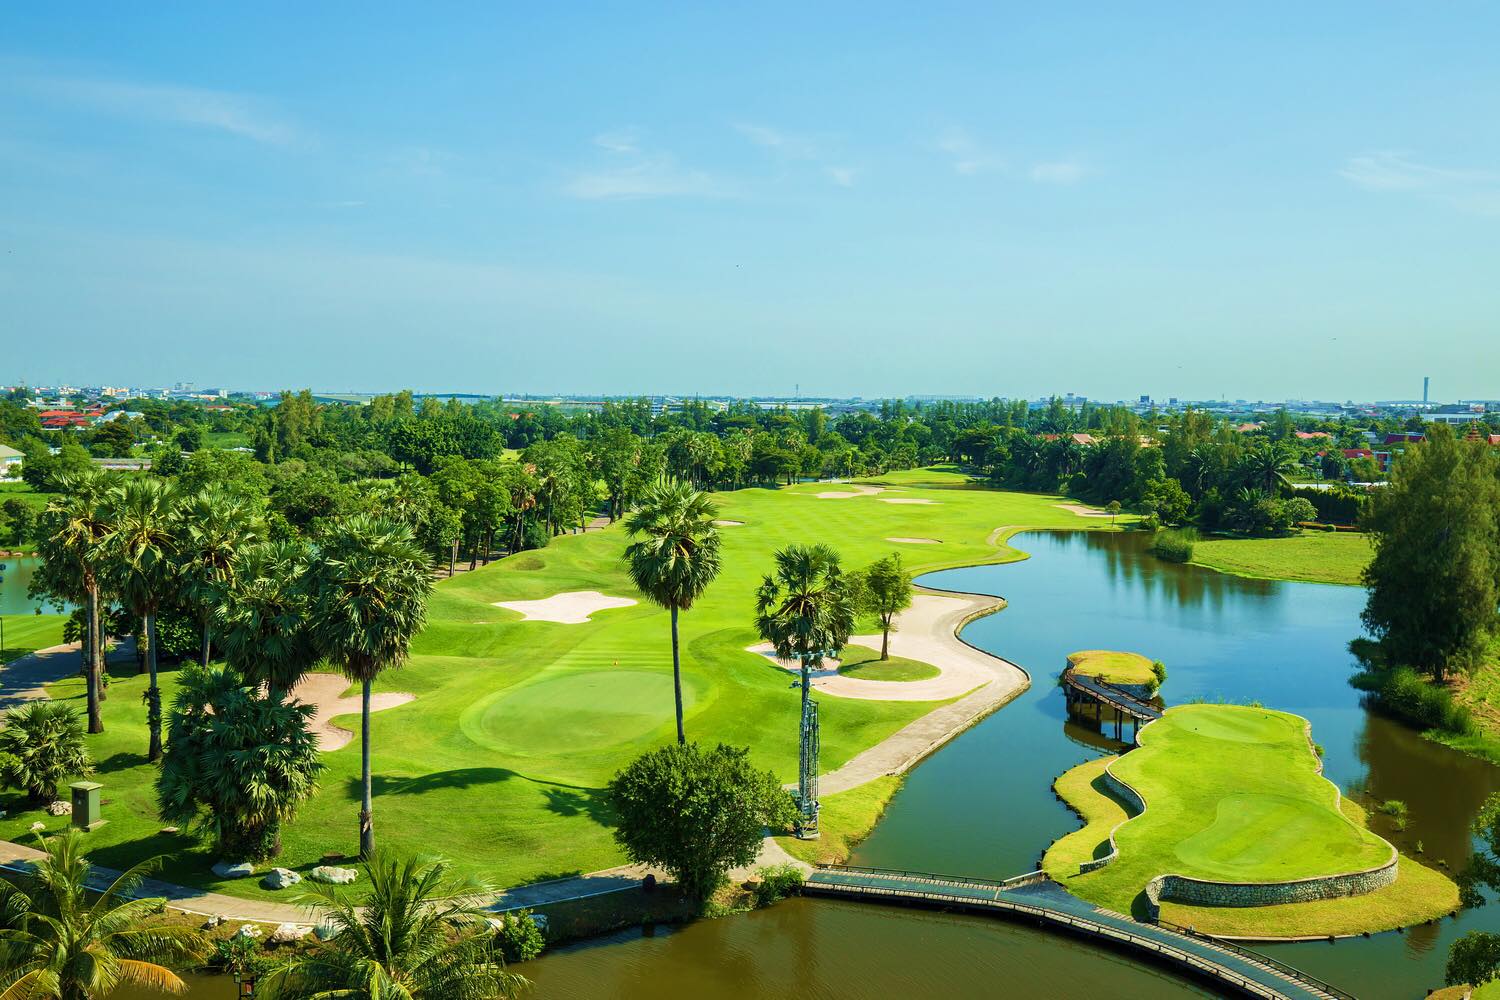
[729, 524]
[851, 492]
[1083, 511]
[926, 633]
[917, 541]
[571, 608]
[324, 692]
[906, 500]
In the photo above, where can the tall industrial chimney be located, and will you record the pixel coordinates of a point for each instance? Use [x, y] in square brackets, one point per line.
[1425, 380]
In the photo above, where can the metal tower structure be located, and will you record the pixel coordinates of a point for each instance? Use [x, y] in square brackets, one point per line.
[807, 774]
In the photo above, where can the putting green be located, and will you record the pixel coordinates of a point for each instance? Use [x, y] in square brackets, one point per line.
[1233, 794]
[583, 711]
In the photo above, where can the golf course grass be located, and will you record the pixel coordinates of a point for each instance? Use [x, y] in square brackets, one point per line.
[866, 664]
[1309, 556]
[501, 759]
[1114, 666]
[28, 633]
[1233, 794]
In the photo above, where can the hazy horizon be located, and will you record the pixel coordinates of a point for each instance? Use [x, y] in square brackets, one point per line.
[1271, 203]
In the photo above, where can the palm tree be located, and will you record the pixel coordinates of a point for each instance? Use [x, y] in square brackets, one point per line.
[57, 945]
[675, 557]
[370, 601]
[1267, 468]
[416, 934]
[264, 622]
[144, 544]
[805, 610]
[42, 743]
[74, 551]
[217, 526]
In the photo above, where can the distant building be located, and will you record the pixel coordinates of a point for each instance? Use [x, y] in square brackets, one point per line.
[10, 461]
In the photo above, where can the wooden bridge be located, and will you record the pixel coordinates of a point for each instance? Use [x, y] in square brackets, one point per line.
[1083, 689]
[1035, 897]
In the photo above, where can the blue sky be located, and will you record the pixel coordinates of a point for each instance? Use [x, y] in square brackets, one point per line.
[1284, 200]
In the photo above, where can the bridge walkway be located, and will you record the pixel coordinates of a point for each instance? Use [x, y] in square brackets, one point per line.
[1036, 896]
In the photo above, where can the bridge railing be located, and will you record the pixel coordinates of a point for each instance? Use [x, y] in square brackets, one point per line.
[1178, 955]
[1009, 883]
[1250, 955]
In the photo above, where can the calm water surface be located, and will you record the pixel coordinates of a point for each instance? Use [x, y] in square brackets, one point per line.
[983, 806]
[13, 582]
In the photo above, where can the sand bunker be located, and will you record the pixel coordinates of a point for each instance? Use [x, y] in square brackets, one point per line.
[729, 524]
[925, 633]
[1083, 511]
[851, 492]
[906, 500]
[571, 608]
[917, 541]
[324, 692]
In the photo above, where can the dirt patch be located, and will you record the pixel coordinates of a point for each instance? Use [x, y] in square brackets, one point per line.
[917, 541]
[729, 524]
[571, 608]
[851, 492]
[324, 692]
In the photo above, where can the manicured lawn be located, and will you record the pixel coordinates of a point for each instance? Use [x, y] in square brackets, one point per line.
[867, 665]
[28, 633]
[845, 820]
[1114, 666]
[501, 760]
[1312, 556]
[1233, 794]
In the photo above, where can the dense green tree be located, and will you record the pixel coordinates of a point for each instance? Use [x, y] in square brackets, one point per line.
[674, 557]
[805, 610]
[265, 623]
[216, 527]
[42, 744]
[237, 765]
[61, 939]
[370, 600]
[143, 549]
[1434, 580]
[884, 590]
[696, 813]
[415, 933]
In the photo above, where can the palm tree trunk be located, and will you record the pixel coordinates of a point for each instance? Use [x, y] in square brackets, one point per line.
[153, 693]
[367, 805]
[94, 669]
[203, 657]
[677, 678]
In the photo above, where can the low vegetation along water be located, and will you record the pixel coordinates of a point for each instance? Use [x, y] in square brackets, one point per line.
[983, 806]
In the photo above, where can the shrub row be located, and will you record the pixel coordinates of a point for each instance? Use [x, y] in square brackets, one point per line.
[1173, 546]
[1404, 693]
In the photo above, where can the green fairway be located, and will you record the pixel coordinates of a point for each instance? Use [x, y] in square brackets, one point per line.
[1115, 667]
[501, 759]
[28, 633]
[1312, 556]
[1233, 794]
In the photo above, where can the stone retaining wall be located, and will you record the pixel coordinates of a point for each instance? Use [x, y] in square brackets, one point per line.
[1202, 892]
[1133, 800]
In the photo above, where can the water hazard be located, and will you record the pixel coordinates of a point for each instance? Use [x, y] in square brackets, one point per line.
[983, 805]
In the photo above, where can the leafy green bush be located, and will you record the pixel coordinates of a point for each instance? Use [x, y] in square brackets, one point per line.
[1149, 523]
[1402, 692]
[1173, 546]
[776, 883]
[41, 744]
[520, 939]
[1158, 675]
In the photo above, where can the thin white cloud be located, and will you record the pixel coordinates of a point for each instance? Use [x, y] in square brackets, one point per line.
[216, 110]
[797, 147]
[634, 172]
[623, 140]
[1388, 171]
[842, 176]
[1058, 172]
[967, 155]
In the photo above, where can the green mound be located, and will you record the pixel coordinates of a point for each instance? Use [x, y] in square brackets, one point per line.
[1114, 666]
[866, 665]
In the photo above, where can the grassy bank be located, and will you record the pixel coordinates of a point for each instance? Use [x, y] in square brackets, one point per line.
[501, 759]
[845, 819]
[1309, 557]
[1234, 794]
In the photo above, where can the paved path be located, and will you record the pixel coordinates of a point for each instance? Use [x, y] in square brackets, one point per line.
[26, 678]
[1036, 896]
